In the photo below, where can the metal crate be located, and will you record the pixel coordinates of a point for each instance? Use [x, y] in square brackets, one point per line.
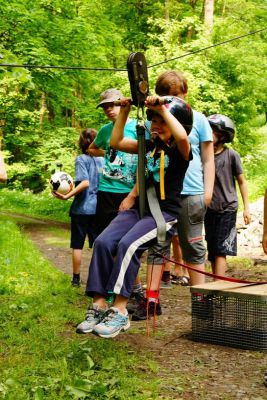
[230, 314]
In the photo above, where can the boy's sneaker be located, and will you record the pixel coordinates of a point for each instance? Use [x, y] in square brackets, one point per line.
[93, 316]
[75, 281]
[134, 301]
[112, 324]
[141, 313]
[180, 280]
[165, 284]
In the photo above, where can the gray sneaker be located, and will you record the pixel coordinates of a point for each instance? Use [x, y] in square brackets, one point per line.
[113, 323]
[93, 316]
[165, 285]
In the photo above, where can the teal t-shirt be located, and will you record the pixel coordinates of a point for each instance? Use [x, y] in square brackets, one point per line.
[119, 169]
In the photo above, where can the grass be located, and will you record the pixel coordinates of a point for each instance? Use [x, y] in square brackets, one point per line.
[41, 357]
[42, 205]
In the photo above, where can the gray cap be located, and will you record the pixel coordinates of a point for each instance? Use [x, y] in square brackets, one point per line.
[109, 95]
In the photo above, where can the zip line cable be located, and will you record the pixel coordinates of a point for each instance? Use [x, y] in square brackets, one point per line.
[124, 69]
[61, 67]
[208, 47]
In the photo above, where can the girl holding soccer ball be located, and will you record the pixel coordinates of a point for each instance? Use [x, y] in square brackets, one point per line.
[82, 210]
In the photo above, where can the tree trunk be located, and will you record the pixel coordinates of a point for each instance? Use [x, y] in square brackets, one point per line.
[208, 14]
[192, 3]
[223, 7]
[43, 109]
[167, 10]
[190, 33]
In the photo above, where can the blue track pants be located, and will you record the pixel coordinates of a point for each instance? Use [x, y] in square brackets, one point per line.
[117, 250]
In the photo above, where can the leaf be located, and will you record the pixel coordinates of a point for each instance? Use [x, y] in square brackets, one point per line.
[90, 362]
[39, 394]
[79, 393]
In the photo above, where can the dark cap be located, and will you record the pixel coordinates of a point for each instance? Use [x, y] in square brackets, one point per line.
[108, 96]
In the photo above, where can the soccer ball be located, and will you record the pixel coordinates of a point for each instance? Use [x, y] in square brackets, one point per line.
[61, 182]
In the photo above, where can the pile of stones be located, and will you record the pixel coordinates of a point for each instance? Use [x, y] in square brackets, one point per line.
[249, 237]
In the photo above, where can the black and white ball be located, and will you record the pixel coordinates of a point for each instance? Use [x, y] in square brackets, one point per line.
[61, 182]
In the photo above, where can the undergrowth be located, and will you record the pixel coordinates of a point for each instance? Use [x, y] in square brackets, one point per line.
[41, 356]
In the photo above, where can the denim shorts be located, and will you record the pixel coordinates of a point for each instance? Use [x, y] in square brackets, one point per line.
[221, 234]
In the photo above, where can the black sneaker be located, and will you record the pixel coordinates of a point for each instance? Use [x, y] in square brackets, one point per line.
[135, 300]
[75, 281]
[141, 313]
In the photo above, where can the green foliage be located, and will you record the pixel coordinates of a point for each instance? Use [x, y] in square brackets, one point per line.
[42, 205]
[255, 165]
[37, 103]
[41, 356]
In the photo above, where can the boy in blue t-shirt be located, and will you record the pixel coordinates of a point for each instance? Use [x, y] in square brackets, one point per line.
[198, 182]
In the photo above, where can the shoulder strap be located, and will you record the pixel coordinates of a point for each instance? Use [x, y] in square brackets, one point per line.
[156, 213]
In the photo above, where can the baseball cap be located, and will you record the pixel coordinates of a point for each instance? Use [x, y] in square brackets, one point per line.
[108, 96]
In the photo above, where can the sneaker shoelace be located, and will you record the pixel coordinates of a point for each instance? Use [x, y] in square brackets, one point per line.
[109, 316]
[92, 314]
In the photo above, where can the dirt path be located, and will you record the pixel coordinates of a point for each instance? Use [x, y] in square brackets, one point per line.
[188, 370]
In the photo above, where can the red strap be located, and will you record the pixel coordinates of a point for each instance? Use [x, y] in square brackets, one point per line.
[223, 278]
[152, 294]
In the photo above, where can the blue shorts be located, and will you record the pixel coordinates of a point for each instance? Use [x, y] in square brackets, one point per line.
[221, 234]
[82, 226]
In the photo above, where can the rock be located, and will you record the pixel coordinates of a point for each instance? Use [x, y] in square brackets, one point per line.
[249, 237]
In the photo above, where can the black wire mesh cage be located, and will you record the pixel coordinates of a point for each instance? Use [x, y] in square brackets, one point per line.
[230, 314]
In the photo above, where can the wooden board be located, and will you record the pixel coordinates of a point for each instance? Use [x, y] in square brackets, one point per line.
[232, 288]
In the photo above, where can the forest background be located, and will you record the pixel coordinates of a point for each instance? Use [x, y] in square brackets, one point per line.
[42, 110]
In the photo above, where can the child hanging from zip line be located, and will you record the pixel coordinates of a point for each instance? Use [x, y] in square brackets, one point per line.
[116, 255]
[188, 246]
[220, 218]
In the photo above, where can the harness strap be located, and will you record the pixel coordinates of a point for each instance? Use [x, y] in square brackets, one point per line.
[156, 213]
[141, 167]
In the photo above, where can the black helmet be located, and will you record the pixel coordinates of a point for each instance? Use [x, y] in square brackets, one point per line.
[223, 126]
[179, 109]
